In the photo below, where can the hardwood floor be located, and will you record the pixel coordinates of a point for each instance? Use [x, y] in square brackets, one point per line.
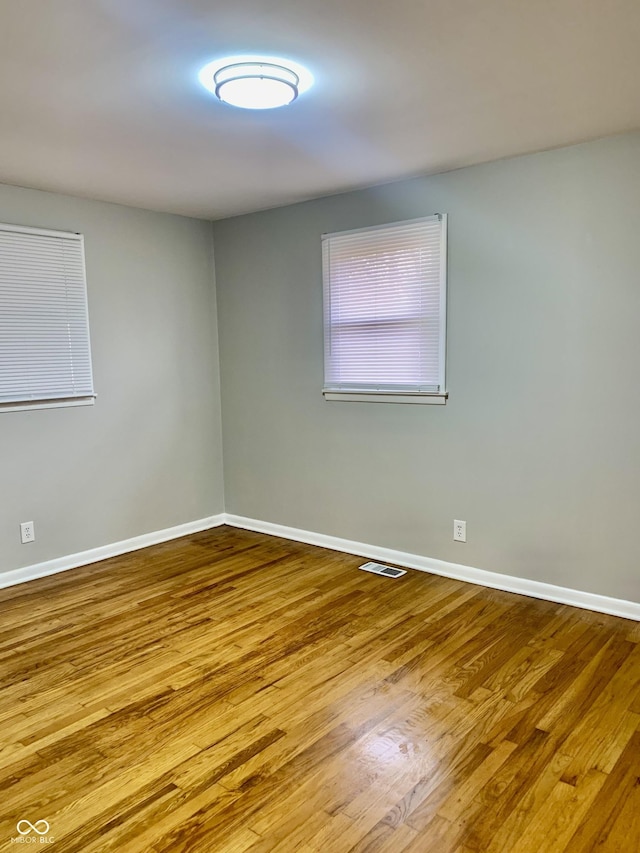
[236, 692]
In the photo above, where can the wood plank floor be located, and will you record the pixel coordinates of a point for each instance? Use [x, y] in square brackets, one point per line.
[236, 692]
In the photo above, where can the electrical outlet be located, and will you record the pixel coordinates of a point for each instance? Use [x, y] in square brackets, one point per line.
[460, 531]
[27, 532]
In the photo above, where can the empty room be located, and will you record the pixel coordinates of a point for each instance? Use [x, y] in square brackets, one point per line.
[319, 426]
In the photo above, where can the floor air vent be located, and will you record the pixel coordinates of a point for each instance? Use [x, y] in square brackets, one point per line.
[379, 569]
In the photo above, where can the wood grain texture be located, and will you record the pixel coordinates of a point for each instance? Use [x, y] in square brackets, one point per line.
[236, 692]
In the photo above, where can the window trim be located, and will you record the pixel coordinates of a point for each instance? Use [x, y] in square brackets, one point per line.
[388, 395]
[63, 403]
[424, 398]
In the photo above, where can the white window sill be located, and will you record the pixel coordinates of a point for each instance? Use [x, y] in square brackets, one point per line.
[47, 404]
[415, 397]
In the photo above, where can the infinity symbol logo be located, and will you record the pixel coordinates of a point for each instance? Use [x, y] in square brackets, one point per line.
[32, 827]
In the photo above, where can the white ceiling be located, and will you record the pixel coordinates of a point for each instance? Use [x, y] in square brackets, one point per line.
[100, 98]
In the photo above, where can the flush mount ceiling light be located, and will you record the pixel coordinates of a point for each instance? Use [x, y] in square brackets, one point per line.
[255, 82]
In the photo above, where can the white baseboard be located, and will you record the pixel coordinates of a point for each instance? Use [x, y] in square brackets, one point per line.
[494, 580]
[94, 555]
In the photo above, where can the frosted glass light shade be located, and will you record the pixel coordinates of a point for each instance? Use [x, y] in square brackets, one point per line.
[255, 82]
[256, 86]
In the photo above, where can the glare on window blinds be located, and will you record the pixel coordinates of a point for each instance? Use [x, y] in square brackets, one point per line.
[385, 302]
[44, 331]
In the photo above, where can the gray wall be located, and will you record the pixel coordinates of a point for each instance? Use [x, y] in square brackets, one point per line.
[538, 448]
[148, 455]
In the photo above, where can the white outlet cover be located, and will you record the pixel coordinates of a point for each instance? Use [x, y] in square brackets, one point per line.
[27, 532]
[459, 531]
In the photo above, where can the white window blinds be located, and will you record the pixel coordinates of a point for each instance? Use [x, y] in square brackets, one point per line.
[44, 330]
[385, 308]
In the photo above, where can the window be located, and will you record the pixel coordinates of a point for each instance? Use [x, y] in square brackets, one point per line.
[385, 312]
[45, 357]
